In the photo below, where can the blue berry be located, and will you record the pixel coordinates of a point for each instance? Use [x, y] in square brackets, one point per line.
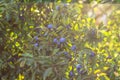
[65, 53]
[78, 66]
[58, 43]
[73, 47]
[65, 5]
[62, 40]
[55, 40]
[109, 57]
[36, 45]
[92, 54]
[50, 26]
[57, 7]
[71, 74]
[93, 31]
[36, 37]
[68, 26]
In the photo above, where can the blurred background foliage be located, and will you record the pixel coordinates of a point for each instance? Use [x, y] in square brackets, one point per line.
[28, 50]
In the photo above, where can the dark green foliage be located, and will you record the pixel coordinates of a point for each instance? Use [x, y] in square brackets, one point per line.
[40, 42]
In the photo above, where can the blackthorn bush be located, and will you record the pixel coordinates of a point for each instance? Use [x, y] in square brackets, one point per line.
[38, 42]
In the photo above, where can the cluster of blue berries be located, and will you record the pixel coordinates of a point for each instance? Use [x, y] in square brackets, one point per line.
[61, 40]
[58, 7]
[78, 67]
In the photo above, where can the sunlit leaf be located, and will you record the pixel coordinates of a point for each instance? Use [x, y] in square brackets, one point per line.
[17, 44]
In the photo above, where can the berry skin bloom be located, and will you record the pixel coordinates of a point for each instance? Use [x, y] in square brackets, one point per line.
[62, 40]
[65, 5]
[68, 26]
[65, 53]
[73, 47]
[58, 43]
[36, 37]
[93, 32]
[57, 7]
[55, 40]
[71, 74]
[36, 45]
[78, 66]
[92, 54]
[50, 26]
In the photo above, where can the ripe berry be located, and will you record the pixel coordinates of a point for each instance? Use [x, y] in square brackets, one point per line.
[36, 37]
[78, 66]
[73, 47]
[57, 7]
[55, 40]
[92, 54]
[50, 26]
[93, 32]
[58, 43]
[36, 45]
[65, 5]
[68, 26]
[62, 40]
[65, 53]
[71, 74]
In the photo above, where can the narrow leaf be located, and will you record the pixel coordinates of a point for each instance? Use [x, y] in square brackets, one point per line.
[47, 73]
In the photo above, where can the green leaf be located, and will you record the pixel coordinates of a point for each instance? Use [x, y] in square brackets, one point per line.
[22, 64]
[27, 55]
[55, 51]
[11, 34]
[55, 78]
[30, 61]
[33, 76]
[11, 65]
[47, 73]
